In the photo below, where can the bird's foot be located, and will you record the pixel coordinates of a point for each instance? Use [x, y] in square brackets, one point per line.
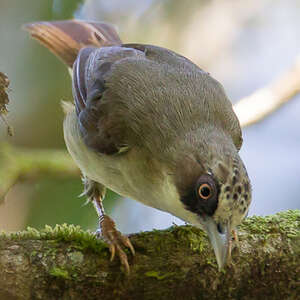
[115, 240]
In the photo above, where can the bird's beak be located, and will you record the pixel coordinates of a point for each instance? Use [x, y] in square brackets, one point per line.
[219, 241]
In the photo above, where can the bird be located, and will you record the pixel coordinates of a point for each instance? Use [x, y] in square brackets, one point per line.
[152, 126]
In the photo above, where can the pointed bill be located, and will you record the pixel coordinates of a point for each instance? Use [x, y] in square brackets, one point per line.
[219, 241]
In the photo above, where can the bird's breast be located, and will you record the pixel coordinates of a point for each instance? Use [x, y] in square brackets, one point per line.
[132, 174]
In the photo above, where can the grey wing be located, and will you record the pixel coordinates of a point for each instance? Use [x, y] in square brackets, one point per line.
[101, 126]
[145, 95]
[209, 87]
[187, 96]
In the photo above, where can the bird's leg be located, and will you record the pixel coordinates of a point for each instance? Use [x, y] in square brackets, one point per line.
[107, 227]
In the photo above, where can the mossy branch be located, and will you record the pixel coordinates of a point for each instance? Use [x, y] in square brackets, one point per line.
[177, 263]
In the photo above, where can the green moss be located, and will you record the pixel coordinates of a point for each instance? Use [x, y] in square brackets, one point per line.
[76, 257]
[158, 275]
[68, 233]
[194, 237]
[287, 222]
[283, 222]
[59, 273]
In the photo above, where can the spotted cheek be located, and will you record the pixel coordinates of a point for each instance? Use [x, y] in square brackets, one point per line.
[238, 218]
[240, 211]
[233, 204]
[225, 207]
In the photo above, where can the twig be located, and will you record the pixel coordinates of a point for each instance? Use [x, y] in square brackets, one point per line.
[23, 164]
[265, 101]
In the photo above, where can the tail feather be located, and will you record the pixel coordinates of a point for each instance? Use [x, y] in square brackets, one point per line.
[66, 38]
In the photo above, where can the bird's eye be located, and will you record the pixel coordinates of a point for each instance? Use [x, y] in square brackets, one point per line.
[205, 191]
[203, 198]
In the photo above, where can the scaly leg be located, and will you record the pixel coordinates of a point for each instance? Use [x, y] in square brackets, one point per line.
[107, 229]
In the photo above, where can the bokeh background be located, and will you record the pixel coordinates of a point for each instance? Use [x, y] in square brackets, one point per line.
[245, 44]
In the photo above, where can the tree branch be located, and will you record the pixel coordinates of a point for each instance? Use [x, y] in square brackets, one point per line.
[265, 101]
[178, 263]
[18, 164]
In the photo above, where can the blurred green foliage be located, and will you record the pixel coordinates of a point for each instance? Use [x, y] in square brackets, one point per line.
[64, 9]
[57, 201]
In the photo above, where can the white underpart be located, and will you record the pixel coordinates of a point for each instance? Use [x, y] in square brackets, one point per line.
[121, 176]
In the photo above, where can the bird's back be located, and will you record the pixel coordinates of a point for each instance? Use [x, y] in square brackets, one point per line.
[148, 89]
[124, 92]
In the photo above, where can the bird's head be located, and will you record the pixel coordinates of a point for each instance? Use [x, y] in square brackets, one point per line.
[216, 194]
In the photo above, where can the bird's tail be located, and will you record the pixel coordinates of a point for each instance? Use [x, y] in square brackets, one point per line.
[66, 38]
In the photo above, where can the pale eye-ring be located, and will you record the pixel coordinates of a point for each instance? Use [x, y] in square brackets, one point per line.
[205, 191]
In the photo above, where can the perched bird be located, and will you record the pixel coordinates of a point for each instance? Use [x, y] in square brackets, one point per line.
[150, 125]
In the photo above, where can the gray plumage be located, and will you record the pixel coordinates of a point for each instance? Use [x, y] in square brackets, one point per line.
[150, 97]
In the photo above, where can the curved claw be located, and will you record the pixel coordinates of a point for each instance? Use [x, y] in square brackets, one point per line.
[123, 259]
[112, 249]
[127, 243]
[116, 240]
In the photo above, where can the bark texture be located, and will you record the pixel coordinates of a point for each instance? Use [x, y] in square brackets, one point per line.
[67, 263]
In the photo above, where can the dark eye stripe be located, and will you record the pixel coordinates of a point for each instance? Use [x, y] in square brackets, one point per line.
[199, 201]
